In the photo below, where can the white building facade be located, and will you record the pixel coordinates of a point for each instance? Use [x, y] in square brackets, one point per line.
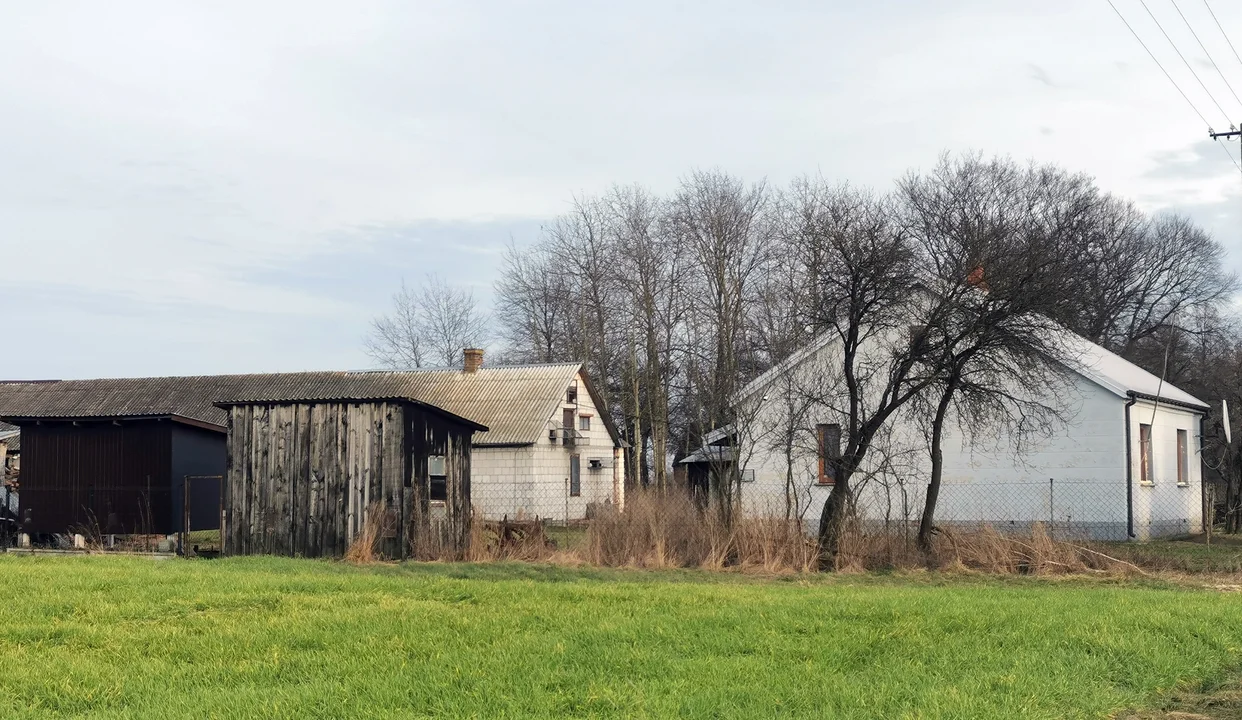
[1122, 463]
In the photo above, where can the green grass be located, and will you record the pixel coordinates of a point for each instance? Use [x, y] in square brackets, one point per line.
[124, 637]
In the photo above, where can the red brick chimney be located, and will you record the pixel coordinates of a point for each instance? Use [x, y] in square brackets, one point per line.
[473, 360]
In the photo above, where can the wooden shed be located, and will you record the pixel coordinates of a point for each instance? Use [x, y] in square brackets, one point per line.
[305, 474]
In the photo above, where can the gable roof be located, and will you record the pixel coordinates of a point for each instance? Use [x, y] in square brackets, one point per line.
[1122, 377]
[513, 402]
[1106, 369]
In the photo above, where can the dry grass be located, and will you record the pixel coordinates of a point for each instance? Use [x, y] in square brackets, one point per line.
[364, 549]
[668, 530]
[662, 530]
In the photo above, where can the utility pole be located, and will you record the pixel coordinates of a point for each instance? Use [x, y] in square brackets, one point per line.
[1226, 135]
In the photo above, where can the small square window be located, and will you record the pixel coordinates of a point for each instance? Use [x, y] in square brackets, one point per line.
[437, 480]
[571, 396]
[584, 422]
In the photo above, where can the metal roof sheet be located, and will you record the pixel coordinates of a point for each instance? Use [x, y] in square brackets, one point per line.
[514, 402]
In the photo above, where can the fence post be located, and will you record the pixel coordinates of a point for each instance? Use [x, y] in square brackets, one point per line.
[1051, 516]
[185, 515]
[1209, 509]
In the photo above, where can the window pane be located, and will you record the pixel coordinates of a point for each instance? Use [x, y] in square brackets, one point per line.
[1145, 453]
[439, 489]
[1183, 468]
[584, 422]
[435, 466]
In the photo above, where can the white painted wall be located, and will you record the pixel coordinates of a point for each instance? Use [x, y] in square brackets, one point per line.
[990, 477]
[1163, 507]
[530, 481]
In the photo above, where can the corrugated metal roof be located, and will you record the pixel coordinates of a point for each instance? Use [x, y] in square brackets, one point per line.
[12, 439]
[514, 402]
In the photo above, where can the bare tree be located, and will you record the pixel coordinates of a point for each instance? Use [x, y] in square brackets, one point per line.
[722, 224]
[996, 262]
[396, 339]
[533, 305]
[864, 274]
[431, 323]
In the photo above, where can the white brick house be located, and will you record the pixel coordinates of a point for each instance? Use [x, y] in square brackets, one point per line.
[549, 451]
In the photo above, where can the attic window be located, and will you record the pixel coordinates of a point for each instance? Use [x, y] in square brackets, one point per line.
[571, 396]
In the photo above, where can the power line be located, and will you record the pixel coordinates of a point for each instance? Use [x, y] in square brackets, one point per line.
[1153, 57]
[1184, 60]
[1235, 162]
[1205, 51]
[1222, 32]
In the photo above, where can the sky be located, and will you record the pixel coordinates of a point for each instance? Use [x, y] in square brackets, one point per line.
[193, 188]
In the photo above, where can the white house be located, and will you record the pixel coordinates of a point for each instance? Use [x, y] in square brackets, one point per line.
[1124, 463]
[549, 450]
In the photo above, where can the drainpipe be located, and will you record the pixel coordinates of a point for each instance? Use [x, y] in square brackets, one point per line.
[1129, 472]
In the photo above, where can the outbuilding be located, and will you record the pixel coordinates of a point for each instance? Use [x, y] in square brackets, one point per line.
[308, 473]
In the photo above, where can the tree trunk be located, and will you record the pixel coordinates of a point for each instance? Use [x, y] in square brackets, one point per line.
[832, 524]
[937, 469]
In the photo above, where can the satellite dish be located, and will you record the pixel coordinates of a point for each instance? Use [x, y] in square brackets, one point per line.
[1224, 416]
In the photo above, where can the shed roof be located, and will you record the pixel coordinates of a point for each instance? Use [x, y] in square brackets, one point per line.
[12, 439]
[514, 402]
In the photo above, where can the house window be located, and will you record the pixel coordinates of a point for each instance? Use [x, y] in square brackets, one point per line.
[1183, 464]
[1145, 455]
[575, 476]
[571, 396]
[438, 475]
[828, 440]
[584, 422]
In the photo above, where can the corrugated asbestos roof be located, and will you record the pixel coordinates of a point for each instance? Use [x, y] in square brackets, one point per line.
[12, 439]
[514, 402]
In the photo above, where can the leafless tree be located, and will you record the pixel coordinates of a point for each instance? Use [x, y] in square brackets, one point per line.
[533, 305]
[996, 262]
[396, 339]
[433, 323]
[863, 270]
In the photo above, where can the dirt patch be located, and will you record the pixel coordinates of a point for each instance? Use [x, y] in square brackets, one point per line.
[1221, 703]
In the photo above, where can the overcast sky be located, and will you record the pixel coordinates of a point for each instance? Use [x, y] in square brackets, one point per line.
[240, 186]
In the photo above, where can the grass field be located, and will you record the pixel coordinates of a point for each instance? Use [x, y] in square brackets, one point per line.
[121, 637]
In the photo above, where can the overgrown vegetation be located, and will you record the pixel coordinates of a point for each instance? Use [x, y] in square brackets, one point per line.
[280, 638]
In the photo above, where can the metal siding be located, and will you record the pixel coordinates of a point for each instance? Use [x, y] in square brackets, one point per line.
[196, 451]
[97, 475]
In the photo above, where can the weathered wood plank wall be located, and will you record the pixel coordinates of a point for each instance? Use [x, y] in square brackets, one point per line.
[302, 478]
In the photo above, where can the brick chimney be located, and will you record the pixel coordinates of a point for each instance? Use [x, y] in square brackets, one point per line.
[473, 360]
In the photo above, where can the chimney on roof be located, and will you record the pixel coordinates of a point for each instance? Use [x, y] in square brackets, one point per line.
[473, 360]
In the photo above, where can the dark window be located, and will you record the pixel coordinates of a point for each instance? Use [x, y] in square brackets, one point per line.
[828, 438]
[567, 426]
[571, 396]
[584, 422]
[575, 475]
[439, 478]
[1145, 454]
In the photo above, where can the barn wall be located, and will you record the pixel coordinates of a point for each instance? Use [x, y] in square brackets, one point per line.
[198, 452]
[441, 528]
[301, 476]
[97, 476]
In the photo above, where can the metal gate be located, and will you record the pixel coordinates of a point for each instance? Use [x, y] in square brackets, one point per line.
[202, 515]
